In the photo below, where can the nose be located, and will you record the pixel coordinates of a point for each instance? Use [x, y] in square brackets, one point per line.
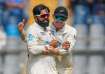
[46, 17]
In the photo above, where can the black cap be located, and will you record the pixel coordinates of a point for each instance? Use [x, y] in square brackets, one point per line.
[61, 11]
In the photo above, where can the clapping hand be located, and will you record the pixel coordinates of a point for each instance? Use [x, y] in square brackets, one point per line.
[66, 45]
[54, 43]
[21, 25]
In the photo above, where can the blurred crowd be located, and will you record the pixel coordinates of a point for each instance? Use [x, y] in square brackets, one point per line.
[89, 11]
[11, 13]
[88, 19]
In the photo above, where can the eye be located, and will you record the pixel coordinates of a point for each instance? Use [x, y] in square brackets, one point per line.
[44, 15]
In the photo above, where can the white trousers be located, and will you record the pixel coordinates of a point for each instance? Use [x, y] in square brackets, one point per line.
[42, 65]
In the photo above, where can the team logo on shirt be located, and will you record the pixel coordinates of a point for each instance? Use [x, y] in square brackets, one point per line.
[31, 37]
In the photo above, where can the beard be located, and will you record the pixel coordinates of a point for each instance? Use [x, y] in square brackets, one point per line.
[44, 23]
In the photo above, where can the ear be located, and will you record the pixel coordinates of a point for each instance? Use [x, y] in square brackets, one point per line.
[35, 18]
[53, 16]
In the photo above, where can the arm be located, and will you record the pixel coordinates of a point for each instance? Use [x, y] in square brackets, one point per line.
[21, 27]
[23, 35]
[71, 38]
[34, 46]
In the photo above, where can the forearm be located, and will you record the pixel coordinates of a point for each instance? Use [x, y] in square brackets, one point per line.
[23, 35]
[63, 51]
[37, 49]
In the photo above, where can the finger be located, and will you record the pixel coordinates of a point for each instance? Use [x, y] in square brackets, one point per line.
[67, 42]
[23, 21]
[55, 38]
[20, 25]
[54, 41]
[67, 47]
[46, 48]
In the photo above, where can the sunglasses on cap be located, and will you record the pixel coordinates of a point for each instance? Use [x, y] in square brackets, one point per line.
[60, 17]
[44, 15]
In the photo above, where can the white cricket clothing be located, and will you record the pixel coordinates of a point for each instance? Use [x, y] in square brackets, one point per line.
[68, 33]
[37, 39]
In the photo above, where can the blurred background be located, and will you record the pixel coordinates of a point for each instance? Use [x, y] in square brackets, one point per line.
[87, 16]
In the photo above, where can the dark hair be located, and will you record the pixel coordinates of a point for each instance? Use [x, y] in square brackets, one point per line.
[37, 9]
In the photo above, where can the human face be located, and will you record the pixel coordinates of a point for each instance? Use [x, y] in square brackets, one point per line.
[43, 18]
[59, 22]
[44, 15]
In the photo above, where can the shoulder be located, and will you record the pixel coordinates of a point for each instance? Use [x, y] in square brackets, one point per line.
[70, 29]
[48, 28]
[32, 28]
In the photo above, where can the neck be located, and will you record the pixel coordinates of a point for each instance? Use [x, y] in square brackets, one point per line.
[58, 30]
[44, 28]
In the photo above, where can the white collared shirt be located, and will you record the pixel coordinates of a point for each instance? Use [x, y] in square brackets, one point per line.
[67, 33]
[37, 38]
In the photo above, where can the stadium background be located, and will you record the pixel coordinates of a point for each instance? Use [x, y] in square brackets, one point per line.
[87, 16]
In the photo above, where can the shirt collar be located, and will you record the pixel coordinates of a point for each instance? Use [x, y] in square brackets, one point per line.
[41, 29]
[63, 30]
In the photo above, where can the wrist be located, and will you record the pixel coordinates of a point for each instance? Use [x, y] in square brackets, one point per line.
[45, 51]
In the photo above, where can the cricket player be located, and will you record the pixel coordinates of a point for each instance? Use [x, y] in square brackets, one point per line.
[65, 36]
[41, 55]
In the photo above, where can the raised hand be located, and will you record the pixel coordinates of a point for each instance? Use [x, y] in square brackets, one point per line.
[21, 25]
